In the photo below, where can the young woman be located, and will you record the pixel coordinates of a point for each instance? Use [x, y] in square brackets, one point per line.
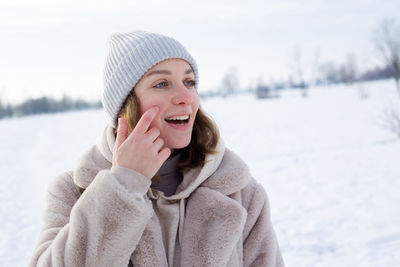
[159, 188]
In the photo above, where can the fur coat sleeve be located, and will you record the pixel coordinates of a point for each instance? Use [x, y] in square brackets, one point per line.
[260, 245]
[91, 230]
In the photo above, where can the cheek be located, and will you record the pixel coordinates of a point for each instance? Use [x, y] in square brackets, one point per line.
[151, 101]
[146, 104]
[196, 102]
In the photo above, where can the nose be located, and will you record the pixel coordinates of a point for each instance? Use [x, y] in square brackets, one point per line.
[182, 95]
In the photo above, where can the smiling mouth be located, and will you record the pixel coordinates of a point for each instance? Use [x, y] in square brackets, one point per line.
[178, 119]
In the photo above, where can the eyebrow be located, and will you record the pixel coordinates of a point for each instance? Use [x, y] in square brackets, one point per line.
[165, 72]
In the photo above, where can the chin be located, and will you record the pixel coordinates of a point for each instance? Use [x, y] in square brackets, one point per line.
[179, 144]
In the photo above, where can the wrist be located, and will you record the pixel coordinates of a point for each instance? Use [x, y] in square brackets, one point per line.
[132, 180]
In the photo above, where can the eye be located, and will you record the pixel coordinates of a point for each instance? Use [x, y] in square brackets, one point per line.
[161, 84]
[190, 83]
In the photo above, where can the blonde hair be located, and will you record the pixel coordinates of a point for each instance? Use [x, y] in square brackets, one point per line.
[205, 134]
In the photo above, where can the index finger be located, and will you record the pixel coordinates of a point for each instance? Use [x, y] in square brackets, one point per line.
[144, 123]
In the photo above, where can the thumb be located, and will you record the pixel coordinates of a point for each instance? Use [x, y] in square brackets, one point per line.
[122, 132]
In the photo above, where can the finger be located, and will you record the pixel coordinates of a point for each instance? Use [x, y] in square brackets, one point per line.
[122, 132]
[152, 134]
[144, 123]
[158, 143]
[163, 155]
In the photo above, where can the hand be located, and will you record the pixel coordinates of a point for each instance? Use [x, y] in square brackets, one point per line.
[142, 150]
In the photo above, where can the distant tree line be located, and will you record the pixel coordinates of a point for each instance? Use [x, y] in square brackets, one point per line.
[347, 73]
[45, 105]
[377, 73]
[306, 73]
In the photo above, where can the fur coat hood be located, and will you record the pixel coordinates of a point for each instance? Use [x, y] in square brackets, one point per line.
[219, 216]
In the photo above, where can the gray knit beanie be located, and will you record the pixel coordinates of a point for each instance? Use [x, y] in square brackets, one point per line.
[129, 57]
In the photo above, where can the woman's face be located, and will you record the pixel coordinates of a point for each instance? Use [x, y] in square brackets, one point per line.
[170, 85]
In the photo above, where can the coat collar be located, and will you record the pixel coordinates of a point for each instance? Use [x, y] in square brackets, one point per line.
[223, 171]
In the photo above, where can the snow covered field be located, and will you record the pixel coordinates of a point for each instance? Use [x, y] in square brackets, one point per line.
[331, 172]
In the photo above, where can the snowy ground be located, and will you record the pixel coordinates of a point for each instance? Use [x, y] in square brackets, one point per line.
[331, 172]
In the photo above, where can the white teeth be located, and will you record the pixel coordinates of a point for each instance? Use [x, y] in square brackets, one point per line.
[185, 117]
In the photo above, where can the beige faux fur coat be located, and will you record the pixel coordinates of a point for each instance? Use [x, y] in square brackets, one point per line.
[219, 216]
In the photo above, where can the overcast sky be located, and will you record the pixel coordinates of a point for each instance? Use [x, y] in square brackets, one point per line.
[52, 47]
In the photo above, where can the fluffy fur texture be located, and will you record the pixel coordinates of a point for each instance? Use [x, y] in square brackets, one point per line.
[219, 216]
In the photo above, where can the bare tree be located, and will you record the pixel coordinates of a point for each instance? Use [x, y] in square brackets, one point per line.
[390, 118]
[230, 82]
[5, 108]
[363, 93]
[330, 72]
[349, 74]
[387, 42]
[2, 107]
[316, 66]
[297, 67]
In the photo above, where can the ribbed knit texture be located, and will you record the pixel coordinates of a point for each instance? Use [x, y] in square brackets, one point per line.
[129, 57]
